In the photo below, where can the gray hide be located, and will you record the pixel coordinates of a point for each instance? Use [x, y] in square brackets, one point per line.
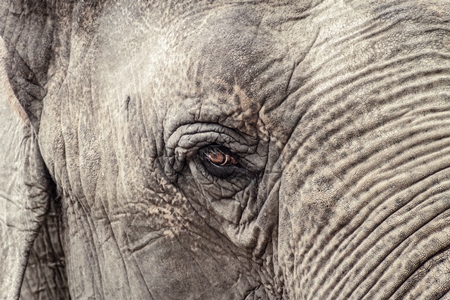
[224, 149]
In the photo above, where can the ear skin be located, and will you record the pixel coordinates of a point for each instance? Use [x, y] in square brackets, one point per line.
[25, 188]
[23, 198]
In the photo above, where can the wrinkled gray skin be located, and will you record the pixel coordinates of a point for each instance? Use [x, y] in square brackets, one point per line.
[337, 112]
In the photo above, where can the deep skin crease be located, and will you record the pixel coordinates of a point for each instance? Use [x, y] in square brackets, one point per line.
[336, 115]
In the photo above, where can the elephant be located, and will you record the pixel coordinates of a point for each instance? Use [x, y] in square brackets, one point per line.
[229, 149]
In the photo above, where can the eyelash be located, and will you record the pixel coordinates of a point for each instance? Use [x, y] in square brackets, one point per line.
[218, 157]
[219, 161]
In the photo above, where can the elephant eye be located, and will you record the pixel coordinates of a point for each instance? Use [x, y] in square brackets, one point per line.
[219, 158]
[219, 161]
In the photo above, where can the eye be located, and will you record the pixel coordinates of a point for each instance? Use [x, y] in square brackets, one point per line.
[220, 157]
[219, 161]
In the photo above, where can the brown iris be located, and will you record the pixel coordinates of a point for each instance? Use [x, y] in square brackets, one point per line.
[219, 158]
[220, 162]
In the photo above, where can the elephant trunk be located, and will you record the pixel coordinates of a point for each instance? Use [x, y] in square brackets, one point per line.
[365, 190]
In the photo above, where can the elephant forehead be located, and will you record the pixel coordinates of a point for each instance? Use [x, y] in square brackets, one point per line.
[236, 58]
[230, 65]
[234, 46]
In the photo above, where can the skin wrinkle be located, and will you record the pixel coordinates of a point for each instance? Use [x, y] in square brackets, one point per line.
[370, 169]
[113, 236]
[420, 263]
[425, 288]
[418, 267]
[383, 220]
[143, 278]
[50, 245]
[386, 179]
[441, 141]
[217, 216]
[350, 236]
[211, 240]
[88, 213]
[193, 258]
[394, 248]
[365, 72]
[411, 277]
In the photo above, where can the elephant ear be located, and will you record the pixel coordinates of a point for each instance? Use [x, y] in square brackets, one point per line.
[28, 231]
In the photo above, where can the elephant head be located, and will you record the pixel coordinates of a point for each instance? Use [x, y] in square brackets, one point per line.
[225, 149]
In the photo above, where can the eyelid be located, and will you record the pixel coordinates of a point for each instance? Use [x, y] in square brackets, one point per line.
[203, 134]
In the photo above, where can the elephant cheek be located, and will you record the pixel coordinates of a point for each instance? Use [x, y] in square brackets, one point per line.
[312, 210]
[175, 266]
[169, 271]
[174, 261]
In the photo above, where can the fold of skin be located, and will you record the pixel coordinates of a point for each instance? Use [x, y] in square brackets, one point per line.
[339, 112]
